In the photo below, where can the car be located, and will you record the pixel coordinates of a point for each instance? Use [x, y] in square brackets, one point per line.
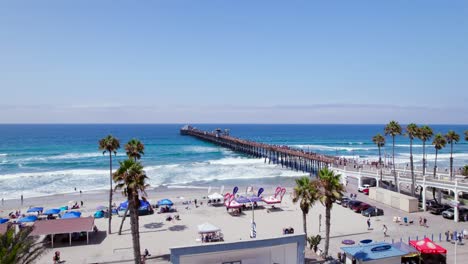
[439, 208]
[361, 188]
[340, 201]
[365, 191]
[361, 207]
[429, 204]
[345, 202]
[371, 211]
[353, 204]
[449, 213]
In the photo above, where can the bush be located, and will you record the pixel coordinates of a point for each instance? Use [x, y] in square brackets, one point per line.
[314, 241]
[465, 170]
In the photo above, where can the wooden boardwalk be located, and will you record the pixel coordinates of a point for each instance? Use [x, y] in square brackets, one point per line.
[285, 156]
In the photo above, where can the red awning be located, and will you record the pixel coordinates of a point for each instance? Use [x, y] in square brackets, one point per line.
[63, 226]
[426, 246]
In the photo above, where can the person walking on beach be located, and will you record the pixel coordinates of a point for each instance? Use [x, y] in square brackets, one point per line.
[21, 200]
[368, 223]
[425, 222]
[385, 229]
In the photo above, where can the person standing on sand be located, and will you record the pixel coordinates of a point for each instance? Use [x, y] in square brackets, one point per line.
[21, 199]
[368, 223]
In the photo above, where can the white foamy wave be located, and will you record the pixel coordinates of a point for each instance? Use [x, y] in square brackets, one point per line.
[201, 149]
[65, 156]
[3, 154]
[332, 148]
[408, 145]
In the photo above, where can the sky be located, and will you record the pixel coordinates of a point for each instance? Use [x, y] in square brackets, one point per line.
[231, 61]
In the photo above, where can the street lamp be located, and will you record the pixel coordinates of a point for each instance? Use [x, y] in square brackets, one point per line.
[253, 232]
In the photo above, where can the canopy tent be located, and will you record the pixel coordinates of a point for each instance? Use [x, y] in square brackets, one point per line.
[165, 202]
[408, 249]
[207, 228]
[3, 220]
[215, 196]
[72, 214]
[52, 211]
[28, 219]
[426, 246]
[35, 209]
[374, 251]
[101, 208]
[143, 205]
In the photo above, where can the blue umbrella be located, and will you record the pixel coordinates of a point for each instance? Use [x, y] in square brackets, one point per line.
[28, 219]
[71, 215]
[35, 209]
[52, 211]
[165, 202]
[143, 204]
[3, 220]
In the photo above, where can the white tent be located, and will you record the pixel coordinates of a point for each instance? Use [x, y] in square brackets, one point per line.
[207, 228]
[215, 196]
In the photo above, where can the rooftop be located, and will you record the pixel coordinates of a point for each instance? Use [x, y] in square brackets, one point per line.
[373, 251]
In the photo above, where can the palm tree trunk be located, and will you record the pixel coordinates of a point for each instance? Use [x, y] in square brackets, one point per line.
[393, 160]
[380, 165]
[413, 182]
[451, 160]
[110, 193]
[435, 164]
[304, 222]
[327, 227]
[123, 220]
[134, 226]
[424, 157]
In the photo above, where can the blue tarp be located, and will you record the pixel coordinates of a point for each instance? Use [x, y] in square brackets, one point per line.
[3, 220]
[373, 251]
[52, 211]
[71, 215]
[28, 219]
[35, 209]
[164, 202]
[143, 205]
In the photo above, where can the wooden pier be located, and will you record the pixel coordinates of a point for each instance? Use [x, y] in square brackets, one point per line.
[285, 156]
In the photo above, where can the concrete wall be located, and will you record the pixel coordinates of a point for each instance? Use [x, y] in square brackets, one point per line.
[396, 200]
[287, 249]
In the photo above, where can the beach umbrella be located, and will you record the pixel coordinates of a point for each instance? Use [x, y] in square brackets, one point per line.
[71, 215]
[215, 196]
[207, 228]
[63, 208]
[35, 209]
[98, 214]
[3, 220]
[52, 211]
[165, 202]
[28, 219]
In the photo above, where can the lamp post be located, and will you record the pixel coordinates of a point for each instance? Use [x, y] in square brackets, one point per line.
[253, 233]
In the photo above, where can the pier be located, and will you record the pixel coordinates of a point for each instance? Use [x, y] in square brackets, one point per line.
[295, 159]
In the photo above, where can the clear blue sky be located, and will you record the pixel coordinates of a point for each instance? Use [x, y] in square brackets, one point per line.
[233, 61]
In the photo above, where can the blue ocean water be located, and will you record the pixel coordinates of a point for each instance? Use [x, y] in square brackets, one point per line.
[45, 159]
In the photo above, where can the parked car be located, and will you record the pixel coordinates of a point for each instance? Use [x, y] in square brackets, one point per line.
[372, 212]
[344, 198]
[365, 191]
[353, 204]
[439, 208]
[361, 207]
[361, 188]
[429, 204]
[449, 213]
[345, 202]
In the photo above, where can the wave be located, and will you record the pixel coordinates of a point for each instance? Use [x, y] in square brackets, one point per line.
[62, 157]
[332, 148]
[202, 149]
[3, 154]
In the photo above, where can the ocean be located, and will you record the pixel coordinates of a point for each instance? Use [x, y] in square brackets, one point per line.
[38, 160]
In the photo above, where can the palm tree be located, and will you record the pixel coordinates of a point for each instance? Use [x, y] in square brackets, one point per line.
[305, 192]
[439, 143]
[452, 137]
[330, 190]
[109, 144]
[425, 133]
[379, 140]
[466, 135]
[393, 129]
[412, 131]
[19, 248]
[131, 179]
[134, 149]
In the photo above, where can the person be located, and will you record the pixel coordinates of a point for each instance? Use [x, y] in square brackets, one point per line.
[82, 203]
[425, 221]
[368, 223]
[420, 221]
[460, 237]
[385, 229]
[146, 254]
[21, 200]
[195, 201]
[56, 257]
[447, 236]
